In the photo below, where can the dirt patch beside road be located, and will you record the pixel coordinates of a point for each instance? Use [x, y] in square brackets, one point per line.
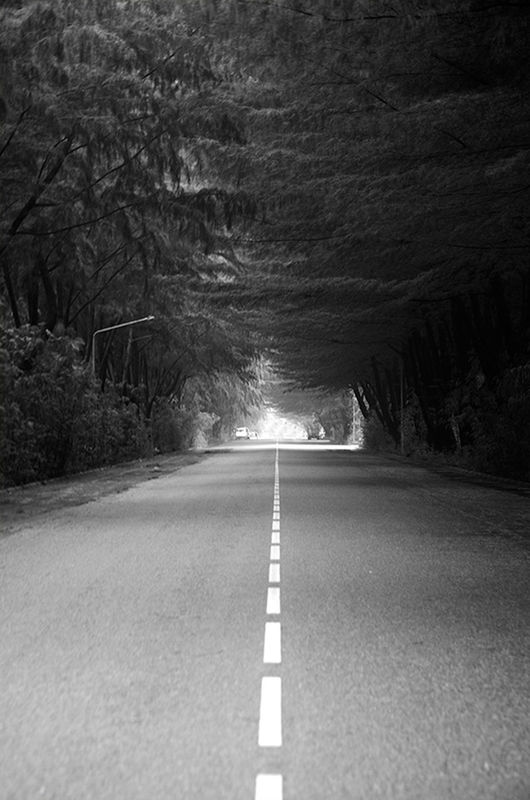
[20, 504]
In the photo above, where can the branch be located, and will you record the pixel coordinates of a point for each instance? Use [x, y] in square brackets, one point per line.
[77, 225]
[160, 64]
[452, 136]
[324, 17]
[460, 68]
[31, 202]
[394, 15]
[94, 297]
[304, 239]
[118, 166]
[12, 134]
[382, 100]
[48, 155]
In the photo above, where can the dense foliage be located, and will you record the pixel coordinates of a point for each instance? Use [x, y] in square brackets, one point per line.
[340, 185]
[392, 143]
[112, 209]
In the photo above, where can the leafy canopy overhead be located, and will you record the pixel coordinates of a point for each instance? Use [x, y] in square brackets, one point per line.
[342, 184]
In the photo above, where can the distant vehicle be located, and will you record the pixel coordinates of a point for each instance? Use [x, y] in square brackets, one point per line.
[252, 435]
[242, 433]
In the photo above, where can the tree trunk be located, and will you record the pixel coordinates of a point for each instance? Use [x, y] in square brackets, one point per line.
[49, 292]
[383, 398]
[126, 360]
[11, 294]
[33, 297]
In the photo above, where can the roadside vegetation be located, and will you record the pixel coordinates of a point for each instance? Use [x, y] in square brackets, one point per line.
[337, 189]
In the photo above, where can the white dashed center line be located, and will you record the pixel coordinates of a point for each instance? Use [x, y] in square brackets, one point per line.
[272, 647]
[270, 714]
[273, 600]
[269, 787]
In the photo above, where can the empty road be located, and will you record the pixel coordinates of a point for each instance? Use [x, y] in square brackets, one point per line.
[271, 623]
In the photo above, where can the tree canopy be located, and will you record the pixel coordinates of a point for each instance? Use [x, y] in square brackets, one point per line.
[390, 152]
[340, 187]
[111, 206]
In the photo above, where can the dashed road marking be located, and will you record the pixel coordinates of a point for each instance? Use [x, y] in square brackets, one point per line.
[272, 646]
[273, 600]
[270, 714]
[269, 787]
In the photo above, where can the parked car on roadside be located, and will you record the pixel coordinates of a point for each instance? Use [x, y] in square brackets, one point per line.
[242, 433]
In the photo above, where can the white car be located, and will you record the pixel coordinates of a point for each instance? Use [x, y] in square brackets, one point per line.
[242, 433]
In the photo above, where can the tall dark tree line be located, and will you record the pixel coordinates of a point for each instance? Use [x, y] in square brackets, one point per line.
[342, 185]
[112, 208]
[391, 144]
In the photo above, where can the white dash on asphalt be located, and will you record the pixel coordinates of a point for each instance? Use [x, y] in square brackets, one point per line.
[272, 645]
[274, 573]
[275, 552]
[275, 538]
[269, 787]
[270, 713]
[275, 524]
[273, 600]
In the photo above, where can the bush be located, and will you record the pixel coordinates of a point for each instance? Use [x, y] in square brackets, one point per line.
[109, 430]
[175, 428]
[172, 428]
[53, 418]
[502, 445]
[375, 438]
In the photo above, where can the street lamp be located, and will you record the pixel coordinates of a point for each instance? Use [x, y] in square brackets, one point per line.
[112, 328]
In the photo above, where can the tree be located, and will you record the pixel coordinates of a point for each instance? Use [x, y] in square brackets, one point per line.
[377, 150]
[389, 148]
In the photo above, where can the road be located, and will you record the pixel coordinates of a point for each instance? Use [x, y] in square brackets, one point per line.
[297, 622]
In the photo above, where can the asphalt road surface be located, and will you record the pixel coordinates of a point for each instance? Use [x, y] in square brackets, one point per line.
[302, 623]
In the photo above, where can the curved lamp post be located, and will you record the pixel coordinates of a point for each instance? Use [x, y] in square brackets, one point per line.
[112, 328]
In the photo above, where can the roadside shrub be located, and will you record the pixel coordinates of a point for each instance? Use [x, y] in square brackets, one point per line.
[176, 428]
[172, 428]
[204, 428]
[53, 418]
[414, 430]
[43, 383]
[502, 438]
[375, 438]
[111, 431]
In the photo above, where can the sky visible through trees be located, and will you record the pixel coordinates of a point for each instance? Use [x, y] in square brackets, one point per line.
[329, 191]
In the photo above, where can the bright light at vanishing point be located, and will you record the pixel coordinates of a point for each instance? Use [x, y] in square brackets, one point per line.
[272, 426]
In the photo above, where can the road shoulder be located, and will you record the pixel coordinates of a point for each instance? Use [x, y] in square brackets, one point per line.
[21, 504]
